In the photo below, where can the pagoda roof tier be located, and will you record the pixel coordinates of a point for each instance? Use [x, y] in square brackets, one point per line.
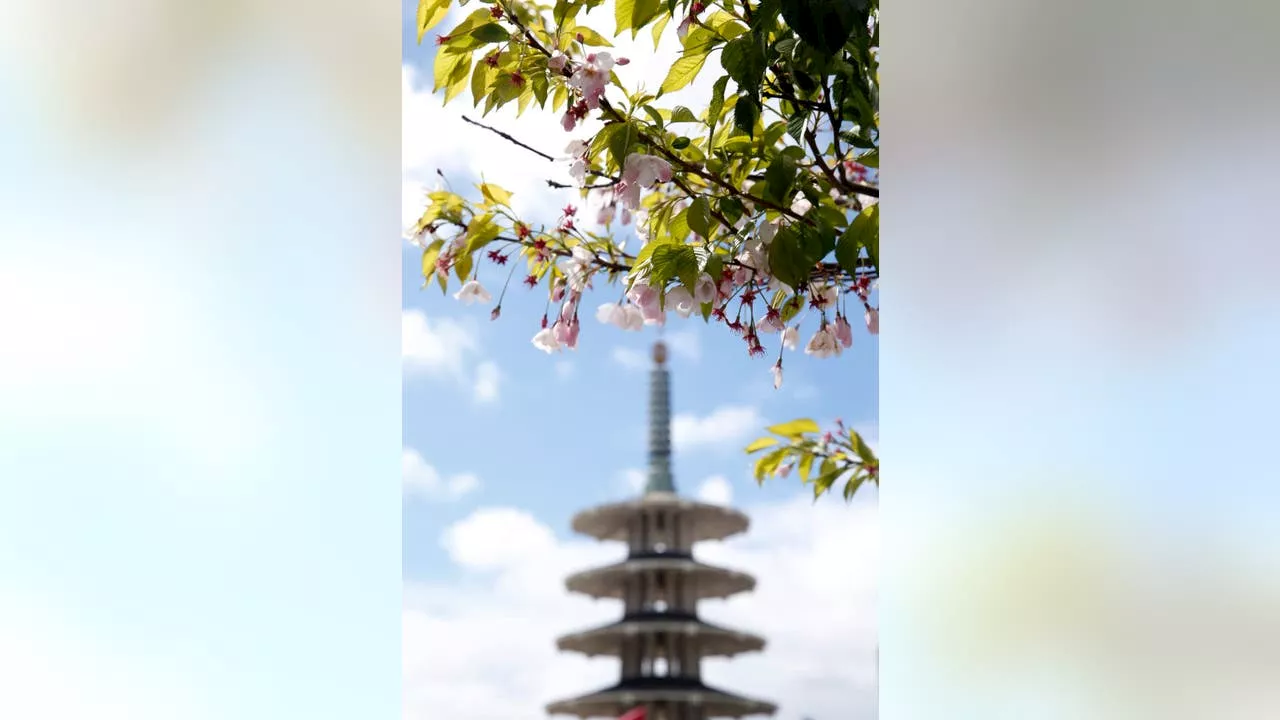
[710, 522]
[713, 640]
[709, 581]
[614, 701]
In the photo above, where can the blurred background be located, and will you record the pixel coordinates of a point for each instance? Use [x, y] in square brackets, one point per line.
[200, 438]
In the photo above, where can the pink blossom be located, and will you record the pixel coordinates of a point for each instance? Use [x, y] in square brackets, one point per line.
[472, 291]
[546, 341]
[771, 323]
[569, 121]
[557, 61]
[872, 317]
[680, 300]
[591, 76]
[791, 337]
[777, 374]
[705, 289]
[767, 232]
[646, 298]
[623, 317]
[635, 319]
[566, 333]
[626, 216]
[844, 333]
[824, 296]
[577, 269]
[605, 216]
[493, 314]
[823, 344]
[624, 61]
[644, 170]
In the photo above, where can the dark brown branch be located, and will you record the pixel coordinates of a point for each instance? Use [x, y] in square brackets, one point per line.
[508, 138]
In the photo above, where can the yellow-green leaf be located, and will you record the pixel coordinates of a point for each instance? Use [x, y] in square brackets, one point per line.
[430, 13]
[683, 72]
[446, 66]
[768, 464]
[622, 11]
[760, 443]
[591, 37]
[429, 256]
[458, 78]
[658, 27]
[795, 429]
[495, 194]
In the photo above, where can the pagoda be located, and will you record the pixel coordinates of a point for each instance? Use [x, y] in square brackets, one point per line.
[660, 639]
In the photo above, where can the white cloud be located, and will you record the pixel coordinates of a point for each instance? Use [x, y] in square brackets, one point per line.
[487, 379]
[434, 346]
[422, 480]
[482, 648]
[716, 490]
[685, 343]
[632, 480]
[724, 425]
[630, 358]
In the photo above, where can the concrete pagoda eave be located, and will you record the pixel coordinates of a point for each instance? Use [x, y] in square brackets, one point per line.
[709, 522]
[713, 640]
[709, 581]
[612, 702]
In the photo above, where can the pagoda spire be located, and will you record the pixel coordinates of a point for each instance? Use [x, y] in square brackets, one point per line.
[660, 479]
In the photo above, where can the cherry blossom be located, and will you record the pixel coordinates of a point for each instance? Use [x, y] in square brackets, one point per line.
[843, 331]
[771, 323]
[777, 374]
[680, 300]
[872, 317]
[823, 344]
[545, 340]
[591, 76]
[565, 332]
[646, 299]
[791, 337]
[472, 291]
[577, 269]
[623, 317]
[705, 289]
[557, 61]
[605, 216]
[644, 170]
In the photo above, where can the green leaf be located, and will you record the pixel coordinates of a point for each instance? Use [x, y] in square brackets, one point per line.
[481, 77]
[795, 429]
[852, 484]
[768, 464]
[805, 466]
[430, 13]
[680, 143]
[645, 11]
[871, 159]
[825, 481]
[495, 194]
[825, 24]
[779, 178]
[490, 33]
[658, 27]
[683, 114]
[623, 139]
[795, 125]
[760, 444]
[861, 448]
[745, 62]
[793, 252]
[745, 114]
[446, 66]
[591, 37]
[714, 267]
[700, 217]
[863, 232]
[462, 267]
[683, 71]
[458, 78]
[717, 103]
[622, 11]
[673, 260]
[731, 208]
[654, 114]
[430, 254]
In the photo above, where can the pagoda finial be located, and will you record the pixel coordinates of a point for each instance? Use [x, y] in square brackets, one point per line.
[660, 479]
